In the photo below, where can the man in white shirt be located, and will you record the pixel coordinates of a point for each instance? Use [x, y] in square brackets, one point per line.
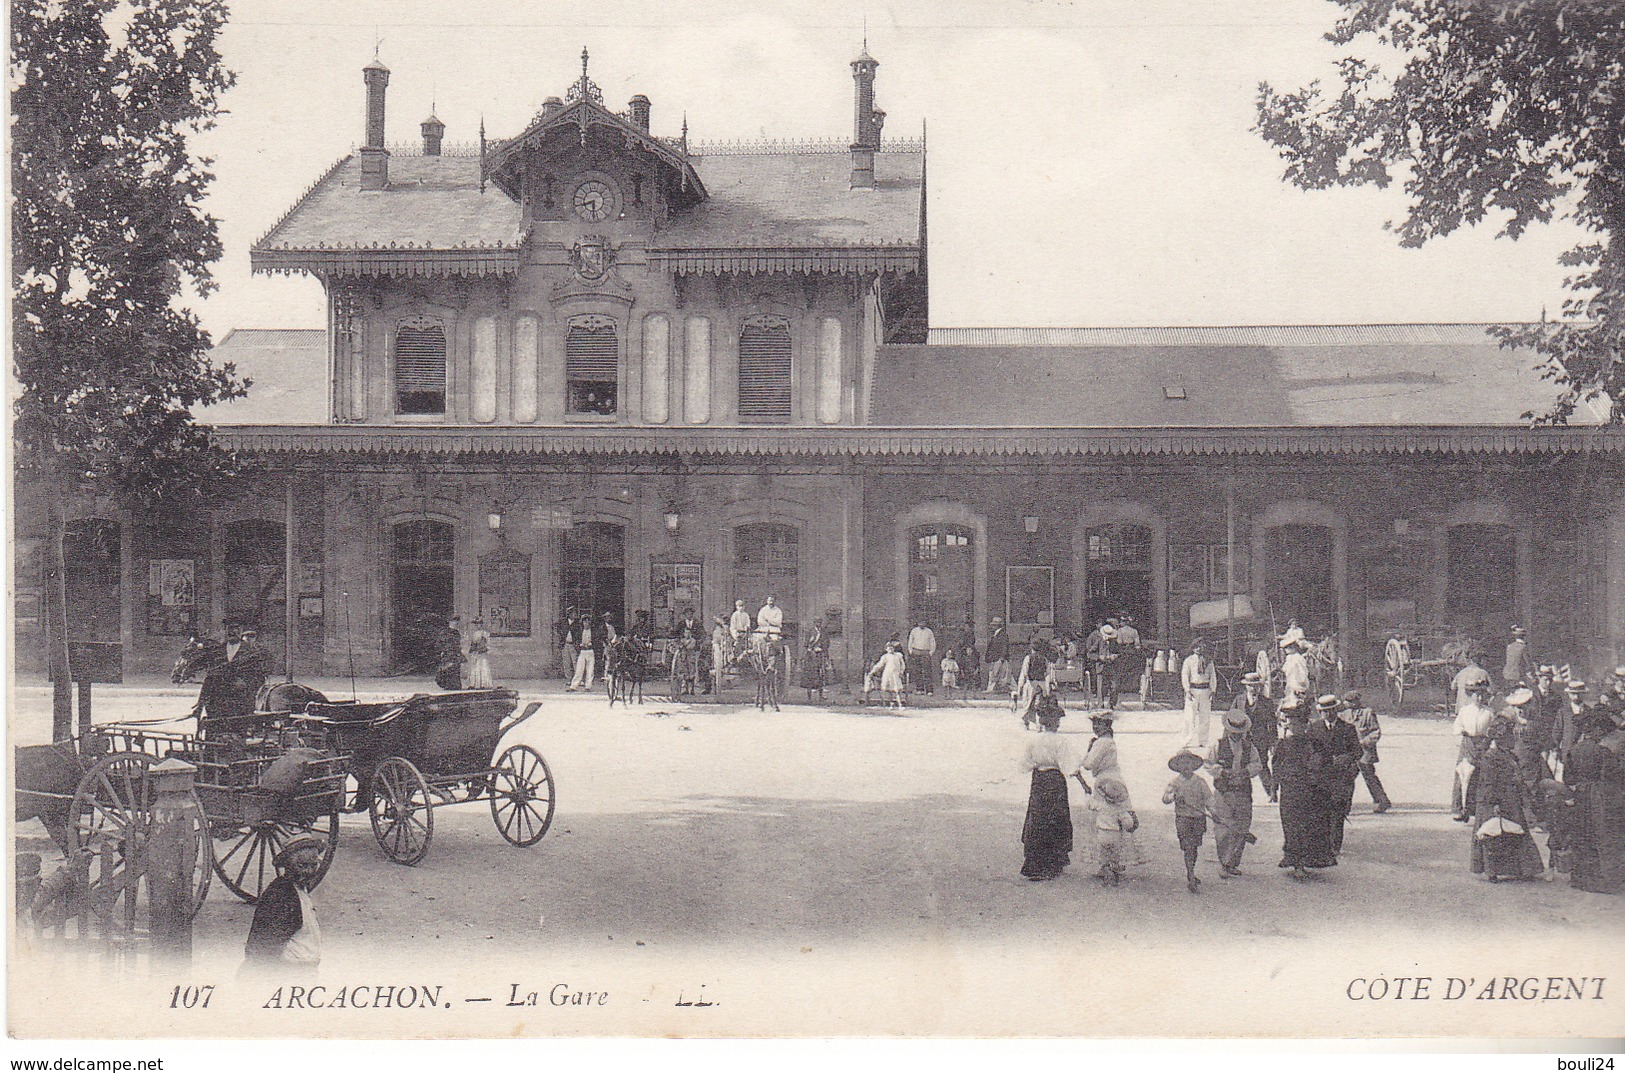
[739, 622]
[1196, 676]
[1473, 725]
[921, 656]
[770, 619]
[586, 661]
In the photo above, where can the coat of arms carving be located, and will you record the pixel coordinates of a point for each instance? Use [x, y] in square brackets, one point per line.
[592, 257]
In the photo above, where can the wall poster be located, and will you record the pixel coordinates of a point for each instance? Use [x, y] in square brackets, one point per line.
[171, 597]
[673, 587]
[1029, 595]
[505, 593]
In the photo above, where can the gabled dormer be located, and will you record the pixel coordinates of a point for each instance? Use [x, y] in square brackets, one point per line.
[579, 162]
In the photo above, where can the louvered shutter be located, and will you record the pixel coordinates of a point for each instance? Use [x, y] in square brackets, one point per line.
[764, 370]
[592, 367]
[420, 370]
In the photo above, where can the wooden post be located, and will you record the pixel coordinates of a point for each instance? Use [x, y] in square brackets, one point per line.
[171, 861]
[85, 721]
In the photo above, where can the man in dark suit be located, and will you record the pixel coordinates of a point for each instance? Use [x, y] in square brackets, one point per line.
[1335, 745]
[1263, 731]
[997, 657]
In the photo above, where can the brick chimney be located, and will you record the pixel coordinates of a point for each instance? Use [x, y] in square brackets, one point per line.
[638, 112]
[374, 157]
[866, 121]
[434, 132]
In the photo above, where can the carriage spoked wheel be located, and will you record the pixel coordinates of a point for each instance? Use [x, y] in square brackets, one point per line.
[402, 811]
[111, 816]
[522, 796]
[245, 855]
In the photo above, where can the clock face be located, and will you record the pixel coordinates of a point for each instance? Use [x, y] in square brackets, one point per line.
[594, 200]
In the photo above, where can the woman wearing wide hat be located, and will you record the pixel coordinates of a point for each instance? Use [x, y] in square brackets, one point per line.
[1306, 836]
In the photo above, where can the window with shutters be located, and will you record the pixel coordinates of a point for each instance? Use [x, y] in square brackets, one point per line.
[764, 369]
[420, 369]
[591, 365]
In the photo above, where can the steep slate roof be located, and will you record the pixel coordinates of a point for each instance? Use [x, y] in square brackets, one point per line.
[1321, 377]
[796, 198]
[288, 367]
[800, 198]
[433, 202]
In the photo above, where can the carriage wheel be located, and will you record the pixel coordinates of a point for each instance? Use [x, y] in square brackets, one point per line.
[245, 856]
[111, 816]
[402, 811]
[522, 796]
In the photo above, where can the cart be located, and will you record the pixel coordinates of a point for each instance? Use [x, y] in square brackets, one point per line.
[1421, 656]
[242, 825]
[434, 749]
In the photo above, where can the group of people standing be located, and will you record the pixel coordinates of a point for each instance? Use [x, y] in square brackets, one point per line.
[1543, 758]
[463, 662]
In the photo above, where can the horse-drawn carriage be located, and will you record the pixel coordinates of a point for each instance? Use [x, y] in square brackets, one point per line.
[761, 658]
[1421, 656]
[407, 757]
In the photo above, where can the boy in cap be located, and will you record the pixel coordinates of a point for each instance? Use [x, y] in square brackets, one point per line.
[1364, 721]
[284, 935]
[1193, 804]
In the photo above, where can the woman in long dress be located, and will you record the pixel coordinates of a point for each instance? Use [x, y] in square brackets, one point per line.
[1047, 833]
[479, 660]
[1502, 847]
[1036, 681]
[1307, 812]
[1596, 774]
[1100, 761]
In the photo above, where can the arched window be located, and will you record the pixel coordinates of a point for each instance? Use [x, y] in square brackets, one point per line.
[421, 591]
[592, 361]
[592, 574]
[1118, 565]
[767, 562]
[420, 368]
[941, 571]
[764, 369]
[254, 558]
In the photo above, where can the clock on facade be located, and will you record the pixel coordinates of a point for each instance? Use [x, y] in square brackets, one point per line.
[594, 200]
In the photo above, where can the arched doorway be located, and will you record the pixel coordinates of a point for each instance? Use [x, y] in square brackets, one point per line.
[1481, 580]
[592, 571]
[941, 575]
[421, 590]
[1117, 561]
[91, 552]
[1300, 581]
[255, 596]
[767, 562]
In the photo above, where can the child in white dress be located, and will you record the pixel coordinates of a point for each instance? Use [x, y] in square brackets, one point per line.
[950, 671]
[889, 669]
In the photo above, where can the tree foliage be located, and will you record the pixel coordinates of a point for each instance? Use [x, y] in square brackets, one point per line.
[1512, 109]
[108, 240]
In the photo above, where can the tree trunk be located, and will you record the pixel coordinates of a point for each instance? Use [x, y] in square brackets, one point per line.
[56, 612]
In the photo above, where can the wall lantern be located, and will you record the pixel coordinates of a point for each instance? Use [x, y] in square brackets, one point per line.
[494, 520]
[673, 519]
[1031, 523]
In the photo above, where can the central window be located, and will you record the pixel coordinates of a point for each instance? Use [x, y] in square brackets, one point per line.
[420, 369]
[764, 369]
[592, 366]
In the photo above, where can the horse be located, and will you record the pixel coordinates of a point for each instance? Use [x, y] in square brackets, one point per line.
[625, 667]
[1325, 665]
[765, 659]
[47, 776]
[198, 654]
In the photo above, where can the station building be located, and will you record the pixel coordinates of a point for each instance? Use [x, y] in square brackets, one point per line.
[590, 366]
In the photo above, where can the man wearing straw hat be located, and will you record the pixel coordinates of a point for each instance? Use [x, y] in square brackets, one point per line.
[1337, 745]
[284, 936]
[1255, 704]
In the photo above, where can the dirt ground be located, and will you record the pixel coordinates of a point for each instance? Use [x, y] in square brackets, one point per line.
[838, 870]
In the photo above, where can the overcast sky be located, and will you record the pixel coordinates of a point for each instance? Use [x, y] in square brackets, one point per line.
[1091, 162]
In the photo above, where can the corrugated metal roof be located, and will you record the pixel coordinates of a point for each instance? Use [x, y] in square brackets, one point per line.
[1219, 335]
[463, 440]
